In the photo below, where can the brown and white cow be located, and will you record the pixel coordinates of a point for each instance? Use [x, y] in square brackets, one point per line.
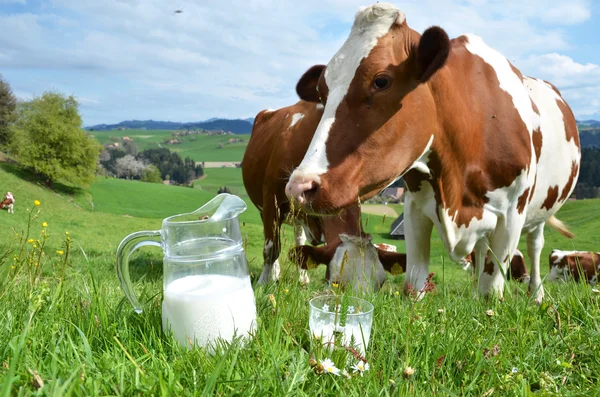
[486, 153]
[277, 145]
[351, 262]
[516, 271]
[8, 202]
[576, 264]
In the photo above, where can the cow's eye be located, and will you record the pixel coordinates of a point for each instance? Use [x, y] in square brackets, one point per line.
[382, 82]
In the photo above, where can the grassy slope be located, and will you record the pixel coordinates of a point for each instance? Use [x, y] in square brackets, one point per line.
[198, 147]
[87, 340]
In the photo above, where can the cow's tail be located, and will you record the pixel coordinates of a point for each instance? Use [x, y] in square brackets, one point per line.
[558, 225]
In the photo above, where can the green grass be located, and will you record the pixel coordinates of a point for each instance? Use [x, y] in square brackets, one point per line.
[80, 337]
[198, 147]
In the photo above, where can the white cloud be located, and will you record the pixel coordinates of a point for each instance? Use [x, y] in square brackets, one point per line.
[233, 58]
[579, 83]
[567, 13]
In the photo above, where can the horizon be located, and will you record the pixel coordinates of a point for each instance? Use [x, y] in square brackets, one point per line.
[140, 60]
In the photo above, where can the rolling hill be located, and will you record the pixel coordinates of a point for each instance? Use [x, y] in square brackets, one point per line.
[236, 126]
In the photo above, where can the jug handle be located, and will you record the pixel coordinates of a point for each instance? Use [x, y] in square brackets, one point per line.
[126, 248]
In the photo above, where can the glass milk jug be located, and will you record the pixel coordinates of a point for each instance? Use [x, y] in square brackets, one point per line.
[206, 284]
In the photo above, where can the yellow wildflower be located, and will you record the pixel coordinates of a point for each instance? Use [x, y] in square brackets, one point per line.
[44, 224]
[273, 301]
[37, 203]
[66, 233]
[30, 241]
[60, 252]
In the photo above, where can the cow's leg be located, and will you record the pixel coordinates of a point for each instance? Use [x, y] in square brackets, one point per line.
[535, 243]
[418, 237]
[271, 228]
[300, 239]
[503, 244]
[479, 252]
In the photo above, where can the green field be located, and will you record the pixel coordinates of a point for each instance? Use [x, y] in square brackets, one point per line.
[69, 331]
[198, 147]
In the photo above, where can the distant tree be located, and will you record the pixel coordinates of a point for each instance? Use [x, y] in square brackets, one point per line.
[8, 105]
[151, 174]
[47, 137]
[128, 167]
[130, 147]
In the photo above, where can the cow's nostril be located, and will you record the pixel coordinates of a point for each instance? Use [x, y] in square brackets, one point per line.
[312, 192]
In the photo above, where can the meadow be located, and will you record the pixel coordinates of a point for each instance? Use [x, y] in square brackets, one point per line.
[198, 147]
[66, 328]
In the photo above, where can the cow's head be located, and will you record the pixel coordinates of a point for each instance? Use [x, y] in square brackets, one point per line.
[379, 117]
[352, 261]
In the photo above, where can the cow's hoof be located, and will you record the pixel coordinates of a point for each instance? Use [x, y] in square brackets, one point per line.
[537, 293]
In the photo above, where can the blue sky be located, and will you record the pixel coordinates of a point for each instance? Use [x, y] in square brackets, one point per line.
[137, 59]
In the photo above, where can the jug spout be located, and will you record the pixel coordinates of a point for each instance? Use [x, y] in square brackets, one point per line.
[224, 206]
[221, 208]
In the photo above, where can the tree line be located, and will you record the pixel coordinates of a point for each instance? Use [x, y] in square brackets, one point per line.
[150, 165]
[588, 184]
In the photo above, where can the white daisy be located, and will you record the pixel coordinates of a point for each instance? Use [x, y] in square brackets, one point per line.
[360, 367]
[350, 309]
[325, 307]
[329, 367]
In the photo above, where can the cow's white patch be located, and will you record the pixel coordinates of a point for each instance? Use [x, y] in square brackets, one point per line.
[296, 117]
[509, 81]
[370, 24]
[421, 163]
[557, 155]
[320, 106]
[362, 268]
[299, 234]
[557, 273]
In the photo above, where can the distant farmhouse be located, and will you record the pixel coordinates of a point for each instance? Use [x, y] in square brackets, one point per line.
[397, 229]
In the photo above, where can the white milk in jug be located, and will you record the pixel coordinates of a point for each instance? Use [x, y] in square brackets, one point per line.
[199, 309]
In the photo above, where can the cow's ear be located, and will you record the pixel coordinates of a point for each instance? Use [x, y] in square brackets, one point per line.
[307, 85]
[392, 262]
[432, 52]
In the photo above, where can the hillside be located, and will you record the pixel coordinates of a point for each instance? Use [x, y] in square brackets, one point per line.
[198, 147]
[236, 126]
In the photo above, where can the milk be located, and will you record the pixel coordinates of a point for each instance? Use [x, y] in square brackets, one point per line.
[325, 332]
[205, 307]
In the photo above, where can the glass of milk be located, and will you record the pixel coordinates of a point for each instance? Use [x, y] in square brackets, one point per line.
[326, 321]
[206, 284]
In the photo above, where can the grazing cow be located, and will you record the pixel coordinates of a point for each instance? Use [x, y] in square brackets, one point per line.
[486, 153]
[576, 264]
[8, 202]
[277, 145]
[516, 271]
[365, 264]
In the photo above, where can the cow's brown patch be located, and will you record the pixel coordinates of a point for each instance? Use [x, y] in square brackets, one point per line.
[533, 188]
[522, 201]
[535, 108]
[489, 267]
[537, 143]
[567, 189]
[570, 123]
[551, 197]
